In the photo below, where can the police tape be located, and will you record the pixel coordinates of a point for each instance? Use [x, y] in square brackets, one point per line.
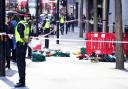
[9, 35]
[52, 31]
[72, 40]
[3, 33]
[87, 21]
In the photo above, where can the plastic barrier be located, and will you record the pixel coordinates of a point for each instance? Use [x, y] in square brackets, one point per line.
[125, 45]
[97, 43]
[35, 44]
[102, 43]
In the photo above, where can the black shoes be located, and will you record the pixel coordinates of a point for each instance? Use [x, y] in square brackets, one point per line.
[8, 66]
[20, 85]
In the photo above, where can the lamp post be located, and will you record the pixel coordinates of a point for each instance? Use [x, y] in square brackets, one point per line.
[37, 16]
[105, 14]
[66, 14]
[57, 22]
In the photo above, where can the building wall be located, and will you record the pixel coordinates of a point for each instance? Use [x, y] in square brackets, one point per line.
[71, 1]
[112, 13]
[125, 12]
[84, 7]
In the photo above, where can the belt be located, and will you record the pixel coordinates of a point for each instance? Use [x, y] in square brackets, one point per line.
[21, 44]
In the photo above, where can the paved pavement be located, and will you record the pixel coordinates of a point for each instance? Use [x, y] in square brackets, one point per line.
[68, 73]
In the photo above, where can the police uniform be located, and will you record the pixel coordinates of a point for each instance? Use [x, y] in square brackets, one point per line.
[62, 24]
[46, 31]
[22, 37]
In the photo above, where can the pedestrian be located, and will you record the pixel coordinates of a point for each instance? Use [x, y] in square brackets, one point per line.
[46, 27]
[22, 37]
[68, 23]
[7, 47]
[13, 24]
[83, 22]
[72, 23]
[34, 31]
[8, 52]
[52, 21]
[62, 24]
[30, 34]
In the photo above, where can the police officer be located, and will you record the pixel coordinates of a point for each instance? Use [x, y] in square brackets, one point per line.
[46, 26]
[22, 37]
[62, 24]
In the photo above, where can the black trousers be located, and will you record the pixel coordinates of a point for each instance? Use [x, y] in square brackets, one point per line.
[14, 55]
[21, 64]
[29, 52]
[62, 28]
[72, 27]
[8, 61]
[46, 31]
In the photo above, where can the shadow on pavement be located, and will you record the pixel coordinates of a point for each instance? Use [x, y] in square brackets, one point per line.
[20, 88]
[10, 83]
[125, 70]
[7, 81]
[10, 72]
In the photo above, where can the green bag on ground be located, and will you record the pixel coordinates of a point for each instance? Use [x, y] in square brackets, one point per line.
[38, 57]
[83, 50]
[61, 54]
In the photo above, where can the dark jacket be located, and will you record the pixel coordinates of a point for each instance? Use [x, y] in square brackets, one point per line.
[7, 42]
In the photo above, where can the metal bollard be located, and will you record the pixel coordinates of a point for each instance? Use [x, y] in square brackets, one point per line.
[2, 55]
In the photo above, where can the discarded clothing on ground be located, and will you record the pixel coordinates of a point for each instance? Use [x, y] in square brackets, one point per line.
[38, 57]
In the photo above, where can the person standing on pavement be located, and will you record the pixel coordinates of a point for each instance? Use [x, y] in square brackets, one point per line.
[46, 27]
[72, 23]
[30, 34]
[22, 37]
[68, 23]
[62, 24]
[83, 22]
[7, 47]
[13, 24]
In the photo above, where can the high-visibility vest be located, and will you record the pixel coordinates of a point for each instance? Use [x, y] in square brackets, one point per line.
[47, 24]
[62, 19]
[26, 32]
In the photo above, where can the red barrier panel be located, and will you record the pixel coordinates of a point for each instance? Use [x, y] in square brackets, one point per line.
[100, 47]
[125, 45]
[93, 45]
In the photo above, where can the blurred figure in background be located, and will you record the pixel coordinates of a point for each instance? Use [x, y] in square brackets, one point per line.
[62, 21]
[30, 34]
[83, 22]
[7, 47]
[46, 27]
[34, 31]
[73, 22]
[68, 23]
[13, 24]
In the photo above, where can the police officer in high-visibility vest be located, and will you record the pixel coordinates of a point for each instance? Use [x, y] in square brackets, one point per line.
[62, 24]
[46, 27]
[22, 31]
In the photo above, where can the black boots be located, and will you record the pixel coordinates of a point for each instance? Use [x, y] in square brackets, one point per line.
[20, 85]
[8, 66]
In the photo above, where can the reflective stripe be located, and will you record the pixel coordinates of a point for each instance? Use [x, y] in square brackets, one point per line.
[47, 24]
[62, 19]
